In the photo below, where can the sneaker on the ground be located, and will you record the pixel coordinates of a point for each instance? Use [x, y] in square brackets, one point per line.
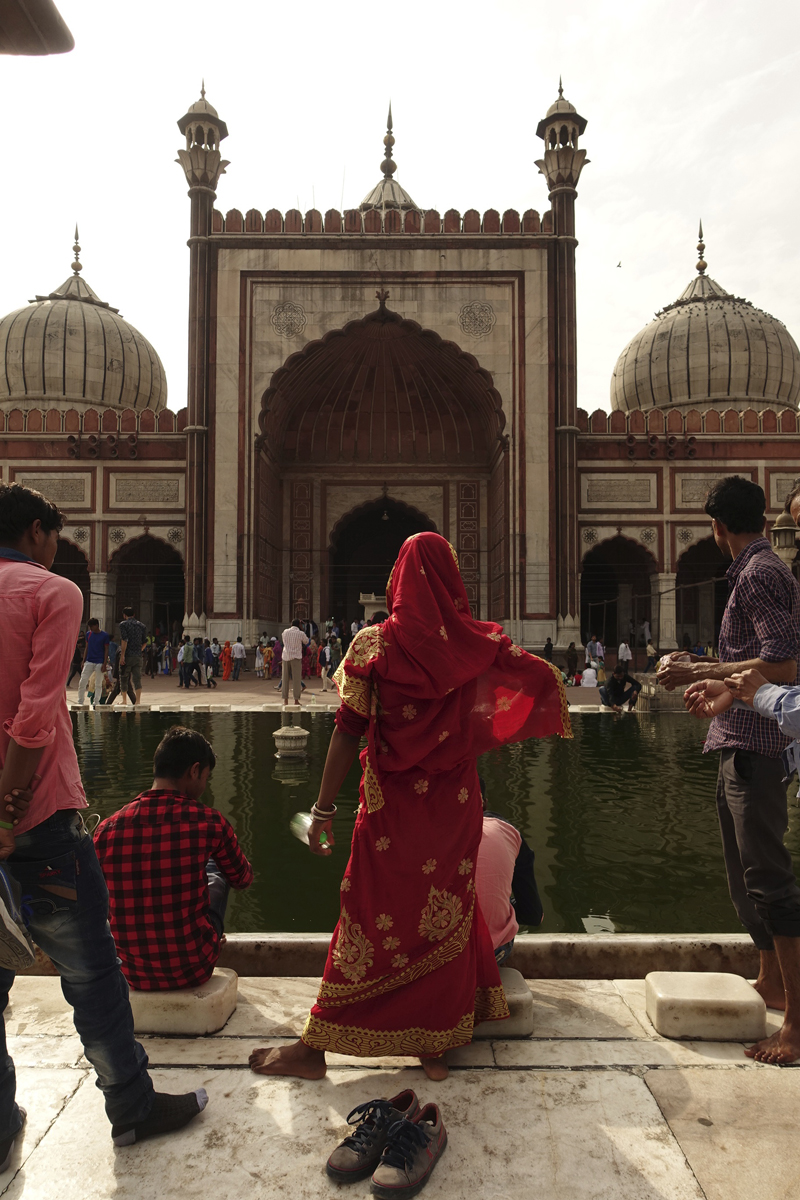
[358, 1155]
[7, 1144]
[412, 1151]
[168, 1114]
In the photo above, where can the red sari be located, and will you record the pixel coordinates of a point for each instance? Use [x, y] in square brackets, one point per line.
[227, 660]
[411, 966]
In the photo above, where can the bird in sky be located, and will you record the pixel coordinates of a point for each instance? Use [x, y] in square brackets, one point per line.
[619, 264]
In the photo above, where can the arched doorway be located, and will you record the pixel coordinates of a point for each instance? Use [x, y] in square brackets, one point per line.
[149, 578]
[615, 590]
[380, 405]
[71, 563]
[701, 592]
[364, 546]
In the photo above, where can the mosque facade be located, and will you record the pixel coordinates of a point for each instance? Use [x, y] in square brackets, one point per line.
[359, 376]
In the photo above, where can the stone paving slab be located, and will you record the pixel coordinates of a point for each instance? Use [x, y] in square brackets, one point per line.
[738, 1131]
[564, 1136]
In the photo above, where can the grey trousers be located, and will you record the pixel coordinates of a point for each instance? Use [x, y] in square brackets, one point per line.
[753, 817]
[292, 669]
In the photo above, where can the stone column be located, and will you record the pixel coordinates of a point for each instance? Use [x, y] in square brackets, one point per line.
[662, 590]
[146, 595]
[624, 611]
[102, 590]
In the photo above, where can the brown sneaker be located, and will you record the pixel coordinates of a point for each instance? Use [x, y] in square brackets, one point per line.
[412, 1151]
[358, 1155]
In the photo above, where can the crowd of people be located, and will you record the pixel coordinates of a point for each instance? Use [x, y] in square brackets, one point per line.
[426, 913]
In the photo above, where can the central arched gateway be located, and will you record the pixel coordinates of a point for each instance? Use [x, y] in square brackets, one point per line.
[374, 432]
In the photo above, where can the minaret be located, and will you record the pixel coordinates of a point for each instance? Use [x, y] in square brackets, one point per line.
[561, 166]
[202, 164]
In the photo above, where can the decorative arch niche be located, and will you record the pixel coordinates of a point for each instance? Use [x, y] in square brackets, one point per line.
[381, 393]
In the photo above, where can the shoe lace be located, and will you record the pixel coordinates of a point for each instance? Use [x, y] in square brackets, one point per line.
[404, 1138]
[369, 1117]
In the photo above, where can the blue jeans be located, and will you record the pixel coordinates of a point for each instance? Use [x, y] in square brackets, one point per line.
[502, 952]
[237, 666]
[71, 926]
[218, 891]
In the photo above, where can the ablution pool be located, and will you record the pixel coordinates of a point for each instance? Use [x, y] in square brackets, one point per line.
[621, 818]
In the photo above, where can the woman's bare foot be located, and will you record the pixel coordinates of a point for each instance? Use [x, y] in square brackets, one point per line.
[435, 1068]
[298, 1060]
[782, 1047]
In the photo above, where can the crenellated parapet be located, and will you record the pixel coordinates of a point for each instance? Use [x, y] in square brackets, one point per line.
[354, 221]
[47, 422]
[635, 425]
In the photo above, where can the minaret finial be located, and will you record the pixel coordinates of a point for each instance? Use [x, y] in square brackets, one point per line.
[202, 89]
[76, 250]
[387, 166]
[701, 263]
[560, 89]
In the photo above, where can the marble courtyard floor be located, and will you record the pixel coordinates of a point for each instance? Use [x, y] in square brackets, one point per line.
[594, 1105]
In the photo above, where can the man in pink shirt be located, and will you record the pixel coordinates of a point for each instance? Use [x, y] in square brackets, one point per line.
[505, 869]
[48, 851]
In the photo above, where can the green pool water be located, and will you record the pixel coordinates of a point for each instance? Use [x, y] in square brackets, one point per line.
[621, 818]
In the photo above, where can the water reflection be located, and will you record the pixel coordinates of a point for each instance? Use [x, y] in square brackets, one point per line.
[622, 818]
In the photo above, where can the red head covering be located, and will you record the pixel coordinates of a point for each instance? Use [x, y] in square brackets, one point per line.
[449, 687]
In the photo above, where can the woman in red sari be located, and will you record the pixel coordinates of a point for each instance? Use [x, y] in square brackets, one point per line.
[411, 967]
[227, 660]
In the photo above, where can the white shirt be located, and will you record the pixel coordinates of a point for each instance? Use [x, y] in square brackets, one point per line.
[238, 650]
[293, 641]
[624, 653]
[354, 628]
[589, 677]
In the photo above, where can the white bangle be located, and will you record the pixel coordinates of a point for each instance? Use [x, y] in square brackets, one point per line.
[320, 814]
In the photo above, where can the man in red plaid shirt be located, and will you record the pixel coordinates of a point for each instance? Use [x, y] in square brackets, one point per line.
[169, 862]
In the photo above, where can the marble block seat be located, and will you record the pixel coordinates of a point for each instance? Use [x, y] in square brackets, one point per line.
[190, 1012]
[520, 1002]
[709, 1006]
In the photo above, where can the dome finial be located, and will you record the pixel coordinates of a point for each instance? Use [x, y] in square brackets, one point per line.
[77, 266]
[701, 263]
[387, 166]
[202, 89]
[560, 89]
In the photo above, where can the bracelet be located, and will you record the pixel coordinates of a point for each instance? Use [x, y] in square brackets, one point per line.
[322, 814]
[5, 825]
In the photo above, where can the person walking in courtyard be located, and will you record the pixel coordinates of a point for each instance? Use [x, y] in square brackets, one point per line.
[216, 651]
[171, 857]
[294, 643]
[41, 614]
[624, 655]
[652, 655]
[208, 664]
[132, 634]
[760, 631]
[95, 661]
[411, 965]
[227, 661]
[239, 655]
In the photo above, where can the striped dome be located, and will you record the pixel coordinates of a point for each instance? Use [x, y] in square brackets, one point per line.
[709, 349]
[72, 348]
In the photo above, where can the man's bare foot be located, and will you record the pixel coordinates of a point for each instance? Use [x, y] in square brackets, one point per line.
[298, 1060]
[435, 1068]
[782, 1047]
[771, 992]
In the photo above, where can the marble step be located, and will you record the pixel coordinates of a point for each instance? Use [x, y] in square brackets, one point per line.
[710, 1006]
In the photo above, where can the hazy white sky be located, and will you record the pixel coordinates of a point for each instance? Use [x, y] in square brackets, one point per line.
[692, 111]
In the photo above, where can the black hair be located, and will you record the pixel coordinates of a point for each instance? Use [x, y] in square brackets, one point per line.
[20, 507]
[127, 611]
[179, 749]
[739, 504]
[93, 621]
[619, 669]
[379, 617]
[297, 624]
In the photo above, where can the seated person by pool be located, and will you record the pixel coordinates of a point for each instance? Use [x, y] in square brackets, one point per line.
[620, 689]
[169, 862]
[504, 882]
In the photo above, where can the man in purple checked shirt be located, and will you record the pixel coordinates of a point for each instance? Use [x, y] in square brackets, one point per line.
[760, 632]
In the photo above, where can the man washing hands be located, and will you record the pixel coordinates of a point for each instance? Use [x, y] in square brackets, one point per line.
[753, 719]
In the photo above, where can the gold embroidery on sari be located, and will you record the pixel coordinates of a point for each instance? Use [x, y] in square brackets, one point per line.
[390, 943]
[566, 723]
[384, 922]
[490, 1004]
[383, 843]
[354, 690]
[465, 866]
[371, 1043]
[455, 556]
[372, 789]
[353, 951]
[429, 867]
[332, 995]
[440, 915]
[366, 646]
